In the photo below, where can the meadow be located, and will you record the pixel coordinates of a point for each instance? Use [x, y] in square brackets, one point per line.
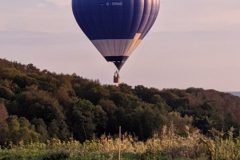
[163, 146]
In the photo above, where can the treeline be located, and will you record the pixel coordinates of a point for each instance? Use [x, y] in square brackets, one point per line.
[38, 105]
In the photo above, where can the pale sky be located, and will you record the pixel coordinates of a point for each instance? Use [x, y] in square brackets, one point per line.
[194, 43]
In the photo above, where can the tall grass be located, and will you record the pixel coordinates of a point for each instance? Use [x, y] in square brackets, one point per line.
[221, 148]
[164, 145]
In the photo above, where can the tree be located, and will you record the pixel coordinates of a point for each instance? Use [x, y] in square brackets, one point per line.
[35, 103]
[82, 120]
[14, 127]
[20, 130]
[53, 129]
[110, 109]
[3, 115]
[41, 128]
[26, 132]
[100, 120]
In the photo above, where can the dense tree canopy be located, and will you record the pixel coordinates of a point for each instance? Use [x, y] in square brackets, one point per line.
[38, 105]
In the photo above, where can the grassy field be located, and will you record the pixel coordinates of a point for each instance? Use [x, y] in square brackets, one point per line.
[164, 146]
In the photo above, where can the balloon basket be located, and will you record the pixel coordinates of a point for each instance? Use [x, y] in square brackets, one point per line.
[116, 78]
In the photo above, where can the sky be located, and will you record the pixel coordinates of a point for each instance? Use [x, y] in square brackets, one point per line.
[194, 43]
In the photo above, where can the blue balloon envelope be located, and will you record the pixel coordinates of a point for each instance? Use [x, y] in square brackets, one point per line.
[116, 27]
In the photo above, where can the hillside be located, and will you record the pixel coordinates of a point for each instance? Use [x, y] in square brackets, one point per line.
[39, 105]
[235, 93]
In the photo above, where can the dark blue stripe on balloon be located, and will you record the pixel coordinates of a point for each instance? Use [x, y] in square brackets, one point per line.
[116, 58]
[114, 19]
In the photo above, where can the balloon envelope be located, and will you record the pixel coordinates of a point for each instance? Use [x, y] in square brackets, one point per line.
[115, 27]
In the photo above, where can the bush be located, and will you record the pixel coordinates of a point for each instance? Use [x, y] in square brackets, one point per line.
[62, 155]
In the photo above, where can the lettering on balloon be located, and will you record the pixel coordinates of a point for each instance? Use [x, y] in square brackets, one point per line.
[117, 3]
[114, 3]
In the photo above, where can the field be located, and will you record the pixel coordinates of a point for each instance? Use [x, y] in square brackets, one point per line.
[166, 145]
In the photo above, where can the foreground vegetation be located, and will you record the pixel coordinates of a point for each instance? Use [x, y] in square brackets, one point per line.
[166, 145]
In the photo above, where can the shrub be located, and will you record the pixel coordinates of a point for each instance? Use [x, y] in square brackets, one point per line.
[62, 155]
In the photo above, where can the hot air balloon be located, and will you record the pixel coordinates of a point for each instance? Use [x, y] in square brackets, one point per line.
[115, 27]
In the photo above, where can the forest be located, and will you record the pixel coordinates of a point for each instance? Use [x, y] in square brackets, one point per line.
[37, 105]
